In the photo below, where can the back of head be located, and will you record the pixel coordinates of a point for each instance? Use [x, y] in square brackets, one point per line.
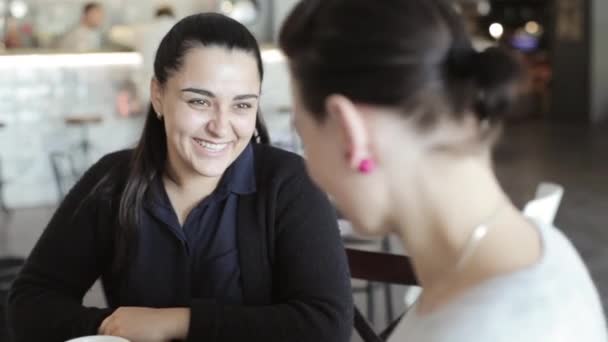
[409, 54]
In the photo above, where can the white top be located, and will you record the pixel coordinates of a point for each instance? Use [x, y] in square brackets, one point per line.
[554, 300]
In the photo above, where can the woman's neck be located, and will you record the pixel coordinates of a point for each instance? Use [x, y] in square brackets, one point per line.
[443, 204]
[186, 180]
[185, 187]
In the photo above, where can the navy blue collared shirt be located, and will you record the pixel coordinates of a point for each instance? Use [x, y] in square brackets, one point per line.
[174, 264]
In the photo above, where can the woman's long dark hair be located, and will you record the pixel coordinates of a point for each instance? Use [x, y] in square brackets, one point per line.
[150, 155]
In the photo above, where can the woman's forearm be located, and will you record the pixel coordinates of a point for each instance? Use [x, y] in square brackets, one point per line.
[179, 322]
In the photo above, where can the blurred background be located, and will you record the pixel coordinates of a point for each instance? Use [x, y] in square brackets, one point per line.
[73, 87]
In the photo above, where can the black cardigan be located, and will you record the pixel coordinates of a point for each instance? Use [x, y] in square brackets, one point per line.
[295, 279]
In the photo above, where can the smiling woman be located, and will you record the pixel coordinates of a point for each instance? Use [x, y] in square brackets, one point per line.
[210, 108]
[202, 232]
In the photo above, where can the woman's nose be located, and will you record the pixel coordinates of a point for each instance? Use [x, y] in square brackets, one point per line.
[219, 124]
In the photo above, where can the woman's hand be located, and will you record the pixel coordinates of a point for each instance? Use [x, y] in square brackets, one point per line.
[146, 324]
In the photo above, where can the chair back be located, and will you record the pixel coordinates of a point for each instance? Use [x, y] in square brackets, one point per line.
[378, 267]
[65, 171]
[545, 204]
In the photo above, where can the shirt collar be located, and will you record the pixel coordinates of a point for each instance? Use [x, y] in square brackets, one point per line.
[239, 178]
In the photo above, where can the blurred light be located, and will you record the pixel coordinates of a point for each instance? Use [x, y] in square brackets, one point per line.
[533, 28]
[484, 8]
[496, 30]
[524, 41]
[2, 8]
[18, 9]
[69, 60]
[272, 56]
[226, 7]
[244, 12]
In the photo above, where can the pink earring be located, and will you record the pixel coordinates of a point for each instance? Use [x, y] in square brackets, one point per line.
[367, 166]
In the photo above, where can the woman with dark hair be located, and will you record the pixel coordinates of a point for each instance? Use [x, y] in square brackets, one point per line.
[398, 114]
[203, 232]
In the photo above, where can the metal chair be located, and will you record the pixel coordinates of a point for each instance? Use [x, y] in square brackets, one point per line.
[369, 288]
[383, 268]
[65, 171]
[5, 212]
[9, 268]
[546, 202]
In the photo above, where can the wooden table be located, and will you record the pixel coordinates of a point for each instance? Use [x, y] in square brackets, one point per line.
[84, 119]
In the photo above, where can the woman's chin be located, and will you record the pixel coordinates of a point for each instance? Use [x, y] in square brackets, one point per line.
[211, 171]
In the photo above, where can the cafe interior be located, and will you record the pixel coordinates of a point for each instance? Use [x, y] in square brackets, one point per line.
[69, 97]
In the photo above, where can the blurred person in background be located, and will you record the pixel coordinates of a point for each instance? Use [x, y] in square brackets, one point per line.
[87, 35]
[145, 38]
[18, 34]
[398, 118]
[203, 232]
[12, 38]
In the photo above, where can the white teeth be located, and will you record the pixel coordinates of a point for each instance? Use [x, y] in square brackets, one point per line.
[211, 146]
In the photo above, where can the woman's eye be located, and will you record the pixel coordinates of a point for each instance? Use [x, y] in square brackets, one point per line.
[244, 106]
[200, 102]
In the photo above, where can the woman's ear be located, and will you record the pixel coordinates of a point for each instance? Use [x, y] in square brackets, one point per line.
[352, 127]
[156, 96]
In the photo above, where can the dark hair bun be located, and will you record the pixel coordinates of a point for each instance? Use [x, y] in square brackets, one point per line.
[495, 73]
